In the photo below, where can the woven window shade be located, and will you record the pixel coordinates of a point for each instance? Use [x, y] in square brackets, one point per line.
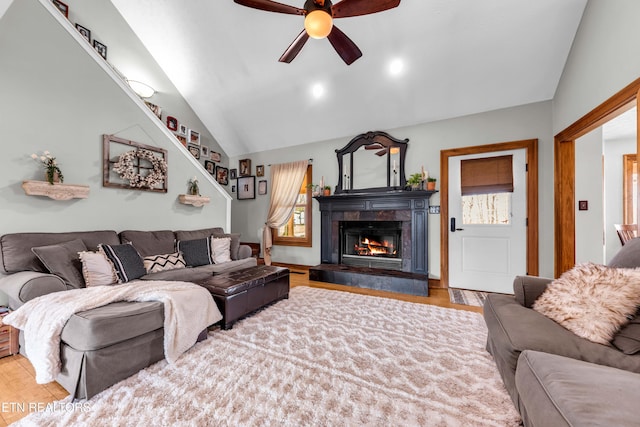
[487, 175]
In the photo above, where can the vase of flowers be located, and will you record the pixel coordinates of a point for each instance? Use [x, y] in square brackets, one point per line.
[52, 171]
[194, 189]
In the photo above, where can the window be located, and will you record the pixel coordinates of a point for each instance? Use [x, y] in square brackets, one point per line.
[297, 231]
[494, 208]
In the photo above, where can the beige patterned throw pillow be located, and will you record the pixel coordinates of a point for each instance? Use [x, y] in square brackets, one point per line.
[157, 263]
[592, 301]
[97, 270]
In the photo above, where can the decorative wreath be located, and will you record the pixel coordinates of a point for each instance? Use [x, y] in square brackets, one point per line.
[127, 169]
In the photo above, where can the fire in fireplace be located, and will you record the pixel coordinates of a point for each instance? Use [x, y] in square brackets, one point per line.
[372, 244]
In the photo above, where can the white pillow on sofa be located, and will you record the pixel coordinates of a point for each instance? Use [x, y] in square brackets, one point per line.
[97, 270]
[221, 248]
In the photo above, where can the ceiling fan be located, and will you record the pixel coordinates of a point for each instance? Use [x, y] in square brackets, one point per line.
[318, 22]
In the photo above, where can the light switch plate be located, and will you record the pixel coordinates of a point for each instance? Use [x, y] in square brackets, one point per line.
[583, 205]
[434, 209]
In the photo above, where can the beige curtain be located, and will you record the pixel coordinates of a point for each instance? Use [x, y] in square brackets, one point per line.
[286, 180]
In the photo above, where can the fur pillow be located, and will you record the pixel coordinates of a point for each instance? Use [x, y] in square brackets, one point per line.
[592, 301]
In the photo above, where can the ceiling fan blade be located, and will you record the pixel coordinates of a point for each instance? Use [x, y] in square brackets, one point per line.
[346, 48]
[361, 7]
[271, 6]
[382, 152]
[294, 49]
[373, 147]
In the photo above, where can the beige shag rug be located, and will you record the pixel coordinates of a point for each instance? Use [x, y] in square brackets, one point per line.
[320, 358]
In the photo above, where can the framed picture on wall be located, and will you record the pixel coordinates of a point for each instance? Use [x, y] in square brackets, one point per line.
[62, 7]
[244, 167]
[215, 157]
[222, 175]
[205, 151]
[210, 167]
[246, 187]
[182, 130]
[172, 123]
[262, 187]
[85, 32]
[194, 150]
[182, 139]
[102, 49]
[194, 137]
[233, 174]
[260, 170]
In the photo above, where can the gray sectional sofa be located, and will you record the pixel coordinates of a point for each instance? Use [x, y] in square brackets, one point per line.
[107, 344]
[554, 377]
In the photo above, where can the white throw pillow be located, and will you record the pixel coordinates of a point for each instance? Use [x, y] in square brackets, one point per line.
[97, 270]
[221, 248]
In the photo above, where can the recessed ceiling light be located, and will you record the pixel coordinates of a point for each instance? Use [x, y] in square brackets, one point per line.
[318, 90]
[396, 67]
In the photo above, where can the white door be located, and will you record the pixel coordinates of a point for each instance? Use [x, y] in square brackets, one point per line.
[487, 257]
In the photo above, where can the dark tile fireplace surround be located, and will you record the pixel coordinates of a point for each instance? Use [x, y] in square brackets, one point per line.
[375, 240]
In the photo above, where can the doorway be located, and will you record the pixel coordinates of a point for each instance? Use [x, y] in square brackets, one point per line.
[531, 155]
[564, 171]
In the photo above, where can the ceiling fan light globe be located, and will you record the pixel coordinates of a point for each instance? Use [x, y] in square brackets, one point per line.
[318, 24]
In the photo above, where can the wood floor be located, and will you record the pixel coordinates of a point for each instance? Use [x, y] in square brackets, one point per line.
[19, 393]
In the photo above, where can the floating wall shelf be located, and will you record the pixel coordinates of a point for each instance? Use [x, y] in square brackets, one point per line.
[55, 191]
[197, 201]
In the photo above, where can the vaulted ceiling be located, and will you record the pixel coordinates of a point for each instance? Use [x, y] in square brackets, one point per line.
[422, 61]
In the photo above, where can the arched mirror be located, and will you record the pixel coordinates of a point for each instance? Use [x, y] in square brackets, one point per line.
[370, 162]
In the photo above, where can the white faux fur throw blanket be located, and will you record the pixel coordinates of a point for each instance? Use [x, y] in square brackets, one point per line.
[188, 310]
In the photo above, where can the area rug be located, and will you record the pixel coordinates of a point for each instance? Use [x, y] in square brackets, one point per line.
[465, 297]
[320, 358]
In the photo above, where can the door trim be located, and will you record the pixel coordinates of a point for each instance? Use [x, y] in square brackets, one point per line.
[531, 155]
[564, 170]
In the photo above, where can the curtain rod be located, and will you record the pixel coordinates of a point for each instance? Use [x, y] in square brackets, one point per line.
[310, 161]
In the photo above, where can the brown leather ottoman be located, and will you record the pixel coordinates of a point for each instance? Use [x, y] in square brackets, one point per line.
[241, 292]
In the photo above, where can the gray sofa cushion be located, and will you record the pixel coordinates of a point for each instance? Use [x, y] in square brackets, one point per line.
[627, 339]
[628, 256]
[197, 234]
[62, 260]
[119, 321]
[15, 248]
[198, 274]
[27, 285]
[514, 328]
[150, 242]
[559, 391]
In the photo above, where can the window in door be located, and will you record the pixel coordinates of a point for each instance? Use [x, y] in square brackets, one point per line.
[486, 186]
[297, 231]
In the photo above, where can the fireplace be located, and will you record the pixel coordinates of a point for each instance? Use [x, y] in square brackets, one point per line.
[375, 244]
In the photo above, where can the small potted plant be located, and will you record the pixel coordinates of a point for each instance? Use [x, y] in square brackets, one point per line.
[415, 181]
[52, 171]
[315, 189]
[431, 184]
[194, 189]
[326, 191]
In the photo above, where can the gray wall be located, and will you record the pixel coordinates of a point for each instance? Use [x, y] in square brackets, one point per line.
[589, 182]
[58, 95]
[426, 140]
[604, 59]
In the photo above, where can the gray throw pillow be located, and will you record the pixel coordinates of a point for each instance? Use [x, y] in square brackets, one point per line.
[628, 256]
[196, 252]
[63, 261]
[627, 340]
[126, 260]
